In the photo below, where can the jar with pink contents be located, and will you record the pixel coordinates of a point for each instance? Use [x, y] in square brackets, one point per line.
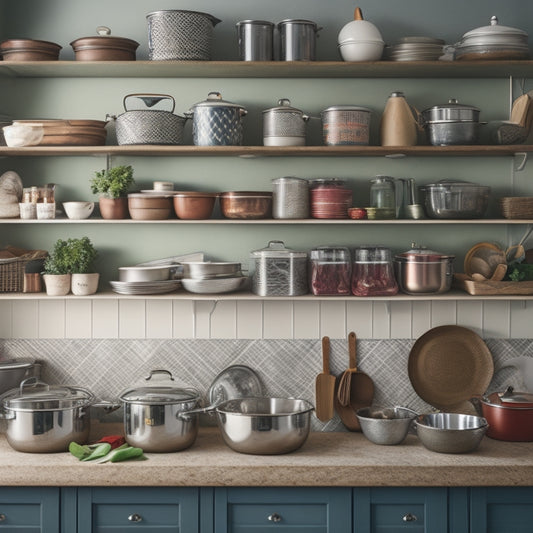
[373, 273]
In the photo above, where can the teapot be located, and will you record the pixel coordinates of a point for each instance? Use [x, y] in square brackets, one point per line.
[399, 122]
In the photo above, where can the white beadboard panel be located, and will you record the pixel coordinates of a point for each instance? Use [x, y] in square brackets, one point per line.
[359, 318]
[6, 319]
[25, 319]
[521, 319]
[496, 318]
[203, 311]
[333, 319]
[52, 319]
[132, 319]
[78, 319]
[158, 319]
[105, 319]
[421, 315]
[183, 319]
[224, 320]
[381, 318]
[249, 319]
[443, 313]
[277, 320]
[470, 315]
[306, 320]
[400, 320]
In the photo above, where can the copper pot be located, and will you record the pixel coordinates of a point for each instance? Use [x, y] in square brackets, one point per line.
[509, 414]
[29, 50]
[103, 47]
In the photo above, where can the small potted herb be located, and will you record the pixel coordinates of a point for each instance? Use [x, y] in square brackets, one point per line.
[112, 185]
[56, 270]
[81, 256]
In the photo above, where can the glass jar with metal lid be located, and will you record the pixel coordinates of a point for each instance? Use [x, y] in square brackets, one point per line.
[330, 270]
[278, 271]
[373, 273]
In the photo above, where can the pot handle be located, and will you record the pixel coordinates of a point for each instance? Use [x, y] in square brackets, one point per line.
[159, 371]
[33, 382]
[476, 402]
[149, 100]
[107, 406]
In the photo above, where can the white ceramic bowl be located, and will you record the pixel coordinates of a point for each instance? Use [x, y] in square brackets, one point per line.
[78, 210]
[352, 50]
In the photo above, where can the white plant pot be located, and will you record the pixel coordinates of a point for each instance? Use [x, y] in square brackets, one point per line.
[57, 284]
[84, 284]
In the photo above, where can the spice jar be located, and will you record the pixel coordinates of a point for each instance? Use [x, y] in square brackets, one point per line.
[329, 271]
[278, 271]
[373, 273]
[290, 197]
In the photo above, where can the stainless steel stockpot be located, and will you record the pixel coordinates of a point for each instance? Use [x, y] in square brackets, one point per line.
[284, 125]
[154, 417]
[44, 418]
[298, 40]
[216, 122]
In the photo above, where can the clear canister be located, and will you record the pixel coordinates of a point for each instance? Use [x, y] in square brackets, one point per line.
[278, 271]
[290, 197]
[330, 271]
[373, 273]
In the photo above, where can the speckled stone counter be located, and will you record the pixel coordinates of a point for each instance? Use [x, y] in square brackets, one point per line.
[326, 459]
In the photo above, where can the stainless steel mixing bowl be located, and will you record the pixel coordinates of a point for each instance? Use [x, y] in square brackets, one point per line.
[388, 425]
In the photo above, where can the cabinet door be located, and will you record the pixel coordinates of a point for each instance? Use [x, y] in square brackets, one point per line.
[105, 510]
[29, 509]
[399, 510]
[282, 510]
[501, 510]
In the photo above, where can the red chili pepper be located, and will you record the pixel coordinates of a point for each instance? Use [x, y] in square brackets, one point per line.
[114, 440]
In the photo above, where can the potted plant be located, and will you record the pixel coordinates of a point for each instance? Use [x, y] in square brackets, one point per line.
[81, 256]
[56, 270]
[112, 185]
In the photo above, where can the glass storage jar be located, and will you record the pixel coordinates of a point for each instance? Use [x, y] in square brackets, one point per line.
[330, 271]
[373, 273]
[383, 196]
[278, 271]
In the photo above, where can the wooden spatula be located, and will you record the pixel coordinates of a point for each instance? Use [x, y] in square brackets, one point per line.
[325, 387]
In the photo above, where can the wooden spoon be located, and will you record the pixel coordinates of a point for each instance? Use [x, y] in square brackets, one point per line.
[499, 272]
[325, 387]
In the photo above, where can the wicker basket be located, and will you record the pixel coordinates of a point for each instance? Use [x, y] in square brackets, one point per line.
[517, 207]
[12, 269]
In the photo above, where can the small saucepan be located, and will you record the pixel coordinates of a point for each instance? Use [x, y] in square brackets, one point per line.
[509, 414]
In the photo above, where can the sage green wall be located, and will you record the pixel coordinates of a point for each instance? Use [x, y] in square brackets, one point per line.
[94, 98]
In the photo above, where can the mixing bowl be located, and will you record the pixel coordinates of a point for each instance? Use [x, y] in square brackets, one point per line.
[388, 425]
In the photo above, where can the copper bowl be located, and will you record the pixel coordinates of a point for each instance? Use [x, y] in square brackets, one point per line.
[29, 50]
[246, 204]
[194, 205]
[104, 47]
[149, 207]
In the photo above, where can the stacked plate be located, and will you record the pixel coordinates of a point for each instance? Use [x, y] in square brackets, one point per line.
[330, 202]
[145, 287]
[415, 49]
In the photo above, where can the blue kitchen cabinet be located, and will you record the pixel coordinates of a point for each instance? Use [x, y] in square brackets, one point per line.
[501, 510]
[30, 509]
[399, 510]
[283, 510]
[141, 509]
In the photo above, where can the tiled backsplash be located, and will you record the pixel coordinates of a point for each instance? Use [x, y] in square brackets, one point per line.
[286, 367]
[105, 317]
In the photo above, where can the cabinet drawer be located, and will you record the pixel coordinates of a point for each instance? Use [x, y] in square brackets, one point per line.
[282, 510]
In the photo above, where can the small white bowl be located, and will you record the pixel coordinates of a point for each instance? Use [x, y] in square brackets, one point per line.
[78, 210]
[352, 50]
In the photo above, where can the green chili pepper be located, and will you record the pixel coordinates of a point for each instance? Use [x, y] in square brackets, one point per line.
[99, 450]
[122, 453]
[78, 450]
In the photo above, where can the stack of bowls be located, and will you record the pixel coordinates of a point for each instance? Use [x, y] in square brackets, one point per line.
[415, 49]
[330, 198]
[360, 40]
[206, 277]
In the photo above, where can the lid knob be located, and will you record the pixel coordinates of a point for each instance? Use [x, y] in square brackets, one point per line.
[103, 31]
[358, 14]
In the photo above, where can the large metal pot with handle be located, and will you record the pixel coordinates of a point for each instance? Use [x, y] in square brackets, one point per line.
[216, 122]
[154, 418]
[44, 418]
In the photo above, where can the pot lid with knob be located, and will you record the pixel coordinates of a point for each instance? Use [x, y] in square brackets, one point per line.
[419, 254]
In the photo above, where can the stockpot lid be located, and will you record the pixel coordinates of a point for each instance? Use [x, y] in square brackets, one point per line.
[486, 34]
[277, 249]
[160, 391]
[284, 106]
[421, 254]
[448, 185]
[299, 21]
[346, 108]
[255, 23]
[36, 395]
[214, 99]
[453, 111]
[104, 39]
[14, 364]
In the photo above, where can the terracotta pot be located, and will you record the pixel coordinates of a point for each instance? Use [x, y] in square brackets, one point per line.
[84, 284]
[114, 208]
[57, 284]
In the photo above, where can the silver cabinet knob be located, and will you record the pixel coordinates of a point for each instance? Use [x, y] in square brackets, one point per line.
[275, 517]
[135, 517]
[409, 518]
[2, 517]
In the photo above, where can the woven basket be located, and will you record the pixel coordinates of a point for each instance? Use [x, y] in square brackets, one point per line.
[12, 269]
[517, 207]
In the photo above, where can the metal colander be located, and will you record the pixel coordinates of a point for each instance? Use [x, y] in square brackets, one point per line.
[177, 34]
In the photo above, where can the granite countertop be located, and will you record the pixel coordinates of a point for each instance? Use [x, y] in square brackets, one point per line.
[326, 459]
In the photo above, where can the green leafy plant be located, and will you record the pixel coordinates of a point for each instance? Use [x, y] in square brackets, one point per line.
[58, 261]
[73, 256]
[114, 182]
